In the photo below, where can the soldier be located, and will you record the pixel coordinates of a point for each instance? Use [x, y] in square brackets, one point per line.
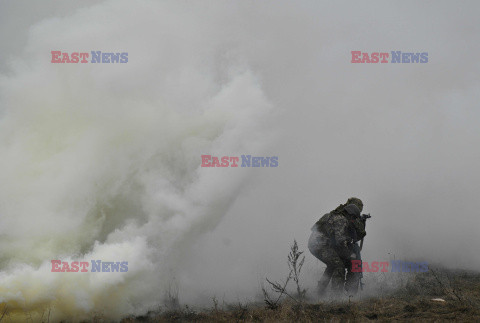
[333, 241]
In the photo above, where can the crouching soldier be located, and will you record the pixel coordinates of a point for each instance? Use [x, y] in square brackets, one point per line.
[334, 242]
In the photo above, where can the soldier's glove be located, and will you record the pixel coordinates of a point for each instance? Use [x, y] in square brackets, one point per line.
[353, 256]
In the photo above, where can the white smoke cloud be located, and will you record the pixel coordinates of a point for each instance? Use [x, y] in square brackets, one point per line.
[102, 161]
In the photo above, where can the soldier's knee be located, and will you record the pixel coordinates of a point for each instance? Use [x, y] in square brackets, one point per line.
[339, 271]
[337, 262]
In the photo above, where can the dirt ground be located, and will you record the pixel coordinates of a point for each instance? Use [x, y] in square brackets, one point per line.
[434, 296]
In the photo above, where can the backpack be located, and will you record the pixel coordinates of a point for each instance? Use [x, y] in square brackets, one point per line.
[323, 225]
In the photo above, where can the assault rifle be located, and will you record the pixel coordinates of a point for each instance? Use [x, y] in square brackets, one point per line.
[364, 218]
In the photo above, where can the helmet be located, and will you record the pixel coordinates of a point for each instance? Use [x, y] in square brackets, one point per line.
[352, 209]
[356, 201]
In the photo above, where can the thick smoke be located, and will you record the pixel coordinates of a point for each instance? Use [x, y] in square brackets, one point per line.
[103, 161]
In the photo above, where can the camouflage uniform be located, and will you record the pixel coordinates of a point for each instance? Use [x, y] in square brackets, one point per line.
[333, 241]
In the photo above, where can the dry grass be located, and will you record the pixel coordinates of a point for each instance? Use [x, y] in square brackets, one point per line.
[412, 302]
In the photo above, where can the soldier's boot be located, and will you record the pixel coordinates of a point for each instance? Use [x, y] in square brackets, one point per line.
[338, 281]
[323, 282]
[353, 279]
[352, 282]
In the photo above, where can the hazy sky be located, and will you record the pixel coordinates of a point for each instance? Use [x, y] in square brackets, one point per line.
[111, 153]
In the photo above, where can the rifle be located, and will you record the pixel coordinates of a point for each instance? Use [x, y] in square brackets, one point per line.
[364, 218]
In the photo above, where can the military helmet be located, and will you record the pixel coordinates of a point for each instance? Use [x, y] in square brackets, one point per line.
[352, 209]
[356, 201]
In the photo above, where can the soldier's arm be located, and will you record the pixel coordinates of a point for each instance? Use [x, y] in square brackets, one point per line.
[360, 229]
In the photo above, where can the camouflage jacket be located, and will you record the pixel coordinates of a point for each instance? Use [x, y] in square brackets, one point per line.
[342, 229]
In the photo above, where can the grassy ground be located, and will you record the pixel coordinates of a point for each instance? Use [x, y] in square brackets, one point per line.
[410, 302]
